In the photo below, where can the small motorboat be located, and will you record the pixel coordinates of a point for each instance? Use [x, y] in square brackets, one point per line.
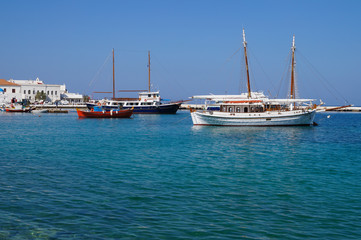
[98, 112]
[18, 108]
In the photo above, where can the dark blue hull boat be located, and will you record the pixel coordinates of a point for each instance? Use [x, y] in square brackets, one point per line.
[170, 108]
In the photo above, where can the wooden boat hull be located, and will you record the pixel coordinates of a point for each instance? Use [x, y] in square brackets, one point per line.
[290, 118]
[18, 110]
[105, 114]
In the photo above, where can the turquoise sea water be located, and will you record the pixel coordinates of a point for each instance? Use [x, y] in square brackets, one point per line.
[159, 177]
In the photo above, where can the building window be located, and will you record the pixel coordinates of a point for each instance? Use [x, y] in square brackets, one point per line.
[245, 109]
[13, 91]
[33, 91]
[51, 92]
[4, 89]
[56, 92]
[29, 92]
[24, 91]
[48, 92]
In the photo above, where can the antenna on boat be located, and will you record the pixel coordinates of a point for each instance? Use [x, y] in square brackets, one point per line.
[293, 91]
[245, 56]
[113, 77]
[148, 71]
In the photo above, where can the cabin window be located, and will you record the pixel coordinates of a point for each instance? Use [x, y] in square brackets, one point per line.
[149, 95]
[230, 109]
[223, 108]
[245, 109]
[238, 109]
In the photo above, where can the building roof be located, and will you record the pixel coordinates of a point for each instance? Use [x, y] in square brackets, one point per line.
[3, 82]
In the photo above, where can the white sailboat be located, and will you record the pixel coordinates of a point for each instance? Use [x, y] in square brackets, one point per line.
[255, 109]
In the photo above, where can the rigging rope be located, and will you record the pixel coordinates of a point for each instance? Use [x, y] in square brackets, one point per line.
[101, 68]
[170, 74]
[323, 80]
[264, 72]
[286, 70]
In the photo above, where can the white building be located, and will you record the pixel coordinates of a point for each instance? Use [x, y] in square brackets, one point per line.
[29, 89]
[72, 98]
[8, 91]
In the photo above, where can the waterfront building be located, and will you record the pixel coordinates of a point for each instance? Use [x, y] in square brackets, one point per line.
[72, 98]
[9, 90]
[27, 90]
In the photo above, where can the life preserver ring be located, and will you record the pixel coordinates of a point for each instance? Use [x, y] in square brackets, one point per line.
[99, 104]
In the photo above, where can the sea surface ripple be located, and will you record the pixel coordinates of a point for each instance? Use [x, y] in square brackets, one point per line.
[159, 177]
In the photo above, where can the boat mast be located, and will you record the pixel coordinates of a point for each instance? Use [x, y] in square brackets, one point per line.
[292, 93]
[148, 71]
[245, 56]
[113, 77]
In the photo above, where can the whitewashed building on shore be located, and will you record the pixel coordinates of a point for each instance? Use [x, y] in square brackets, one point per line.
[72, 98]
[27, 90]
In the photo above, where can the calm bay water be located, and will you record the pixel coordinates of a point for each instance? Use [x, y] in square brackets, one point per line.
[159, 177]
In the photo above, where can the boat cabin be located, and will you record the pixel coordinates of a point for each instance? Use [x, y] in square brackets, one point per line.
[149, 97]
[246, 106]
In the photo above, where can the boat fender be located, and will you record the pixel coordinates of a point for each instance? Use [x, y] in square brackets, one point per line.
[99, 104]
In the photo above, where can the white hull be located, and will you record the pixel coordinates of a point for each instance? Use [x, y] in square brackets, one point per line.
[269, 118]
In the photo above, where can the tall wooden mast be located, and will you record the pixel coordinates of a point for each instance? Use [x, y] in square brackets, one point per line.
[245, 56]
[113, 77]
[148, 71]
[293, 91]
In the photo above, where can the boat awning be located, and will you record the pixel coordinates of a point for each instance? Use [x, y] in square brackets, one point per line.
[285, 101]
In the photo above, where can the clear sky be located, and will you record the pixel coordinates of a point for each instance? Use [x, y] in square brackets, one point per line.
[191, 42]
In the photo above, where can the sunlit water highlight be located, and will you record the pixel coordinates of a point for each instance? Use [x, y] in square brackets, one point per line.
[157, 176]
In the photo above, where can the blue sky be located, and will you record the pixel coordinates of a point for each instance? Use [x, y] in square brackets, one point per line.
[191, 44]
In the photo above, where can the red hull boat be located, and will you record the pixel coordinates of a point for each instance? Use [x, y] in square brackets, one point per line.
[105, 114]
[18, 110]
